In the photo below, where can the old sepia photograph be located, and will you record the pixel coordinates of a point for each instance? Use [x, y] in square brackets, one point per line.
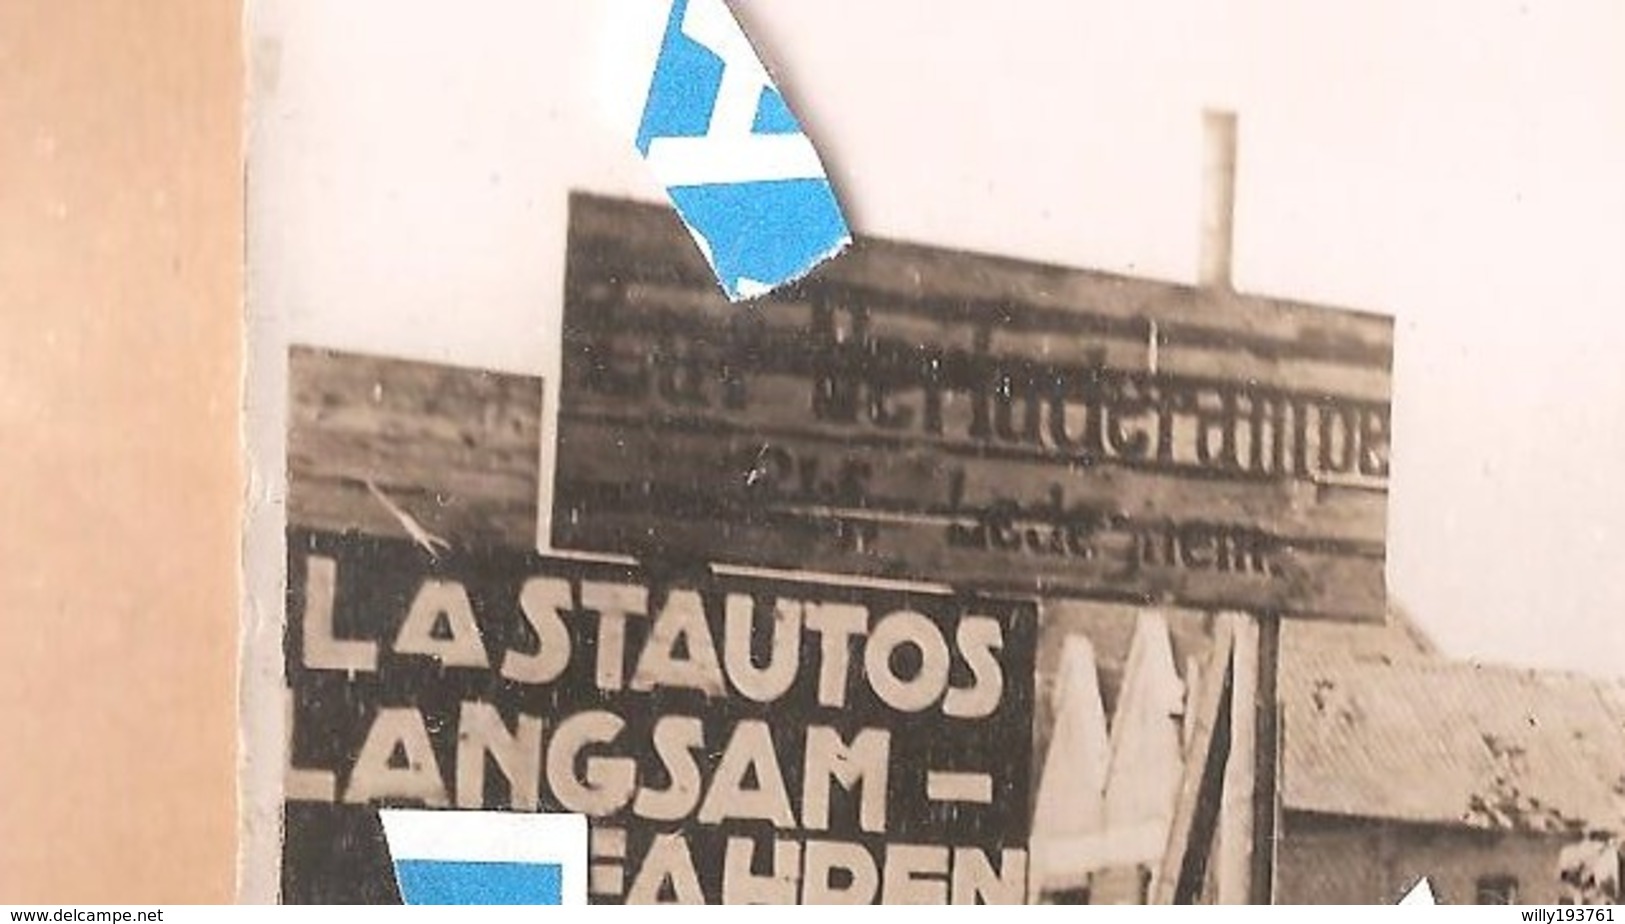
[938, 577]
[1009, 554]
[521, 454]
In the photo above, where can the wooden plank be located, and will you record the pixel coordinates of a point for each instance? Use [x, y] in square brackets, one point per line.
[632, 240]
[1312, 584]
[1267, 766]
[757, 474]
[458, 450]
[872, 410]
[1235, 831]
[1288, 440]
[1184, 861]
[781, 326]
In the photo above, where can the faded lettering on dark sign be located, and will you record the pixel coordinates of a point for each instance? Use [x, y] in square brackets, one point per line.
[919, 413]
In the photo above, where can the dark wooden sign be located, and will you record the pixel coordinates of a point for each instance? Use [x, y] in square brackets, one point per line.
[921, 413]
[730, 739]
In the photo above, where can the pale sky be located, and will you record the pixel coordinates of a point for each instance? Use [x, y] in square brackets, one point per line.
[1457, 165]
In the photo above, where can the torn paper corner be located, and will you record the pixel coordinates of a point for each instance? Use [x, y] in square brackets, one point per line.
[719, 136]
[758, 237]
[746, 288]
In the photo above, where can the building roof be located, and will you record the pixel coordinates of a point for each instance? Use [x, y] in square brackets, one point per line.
[1404, 736]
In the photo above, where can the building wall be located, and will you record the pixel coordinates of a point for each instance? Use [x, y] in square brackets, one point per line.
[1336, 860]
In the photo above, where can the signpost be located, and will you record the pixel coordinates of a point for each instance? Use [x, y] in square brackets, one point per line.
[1024, 435]
[730, 739]
[919, 413]
[912, 412]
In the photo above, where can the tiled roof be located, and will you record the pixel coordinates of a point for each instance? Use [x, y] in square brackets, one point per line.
[1408, 737]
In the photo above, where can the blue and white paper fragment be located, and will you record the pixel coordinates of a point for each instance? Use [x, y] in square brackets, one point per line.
[718, 135]
[487, 858]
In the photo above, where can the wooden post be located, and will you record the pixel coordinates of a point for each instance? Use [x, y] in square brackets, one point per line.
[1250, 807]
[1219, 199]
[1235, 837]
[1184, 861]
[1266, 776]
[1249, 801]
